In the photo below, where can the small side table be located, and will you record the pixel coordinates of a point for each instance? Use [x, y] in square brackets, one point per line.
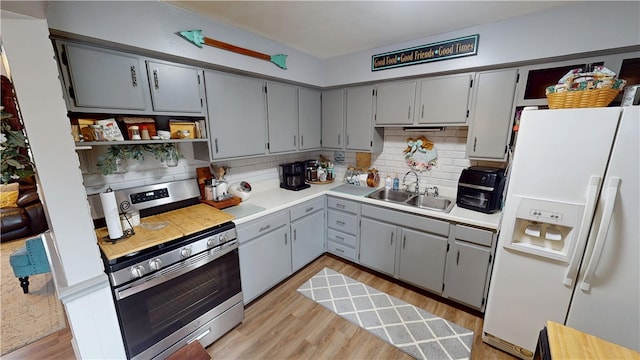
[557, 341]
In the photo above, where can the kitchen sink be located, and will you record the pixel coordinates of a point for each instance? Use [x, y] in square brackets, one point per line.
[420, 201]
[391, 195]
[431, 203]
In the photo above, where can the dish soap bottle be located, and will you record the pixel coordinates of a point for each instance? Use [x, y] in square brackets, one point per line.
[388, 182]
[396, 183]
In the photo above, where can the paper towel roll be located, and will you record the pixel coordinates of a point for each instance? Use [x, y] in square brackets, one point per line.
[111, 215]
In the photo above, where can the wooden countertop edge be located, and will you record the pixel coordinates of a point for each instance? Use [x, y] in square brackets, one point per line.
[568, 343]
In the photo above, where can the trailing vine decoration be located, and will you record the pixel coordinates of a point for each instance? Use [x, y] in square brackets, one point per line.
[420, 154]
[107, 164]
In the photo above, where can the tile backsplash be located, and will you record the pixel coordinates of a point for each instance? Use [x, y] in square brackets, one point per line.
[450, 145]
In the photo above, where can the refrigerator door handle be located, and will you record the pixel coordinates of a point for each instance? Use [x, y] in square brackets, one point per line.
[607, 215]
[587, 218]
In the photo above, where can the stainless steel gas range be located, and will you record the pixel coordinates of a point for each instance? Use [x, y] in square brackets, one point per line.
[177, 279]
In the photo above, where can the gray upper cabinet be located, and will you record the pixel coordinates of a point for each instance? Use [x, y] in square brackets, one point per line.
[309, 119]
[444, 100]
[175, 88]
[395, 103]
[237, 115]
[102, 79]
[333, 119]
[360, 111]
[282, 115]
[491, 114]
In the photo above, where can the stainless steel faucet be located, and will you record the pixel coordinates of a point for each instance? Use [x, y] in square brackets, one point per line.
[404, 181]
[436, 192]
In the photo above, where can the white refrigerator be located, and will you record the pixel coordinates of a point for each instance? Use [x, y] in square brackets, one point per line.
[568, 248]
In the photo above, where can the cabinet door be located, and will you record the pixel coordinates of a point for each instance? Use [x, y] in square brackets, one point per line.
[359, 118]
[175, 88]
[444, 100]
[307, 239]
[491, 114]
[422, 259]
[395, 103]
[105, 79]
[309, 119]
[264, 262]
[333, 119]
[237, 115]
[467, 273]
[378, 245]
[282, 115]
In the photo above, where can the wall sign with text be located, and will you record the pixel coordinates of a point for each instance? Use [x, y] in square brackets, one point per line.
[443, 50]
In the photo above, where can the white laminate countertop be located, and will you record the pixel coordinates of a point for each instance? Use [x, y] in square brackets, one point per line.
[267, 198]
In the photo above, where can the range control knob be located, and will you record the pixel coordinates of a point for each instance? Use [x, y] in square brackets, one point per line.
[137, 271]
[223, 237]
[211, 242]
[185, 252]
[155, 264]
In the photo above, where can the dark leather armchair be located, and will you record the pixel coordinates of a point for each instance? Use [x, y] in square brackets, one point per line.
[28, 218]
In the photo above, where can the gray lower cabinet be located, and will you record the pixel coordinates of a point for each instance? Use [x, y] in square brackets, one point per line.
[409, 247]
[342, 227]
[265, 253]
[378, 245]
[469, 264]
[307, 232]
[422, 259]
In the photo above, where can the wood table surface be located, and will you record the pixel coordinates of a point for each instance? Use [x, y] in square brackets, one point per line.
[179, 223]
[569, 343]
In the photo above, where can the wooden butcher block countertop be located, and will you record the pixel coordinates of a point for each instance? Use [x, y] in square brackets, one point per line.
[181, 222]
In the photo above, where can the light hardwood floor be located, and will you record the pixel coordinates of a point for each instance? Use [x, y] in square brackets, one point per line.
[284, 324]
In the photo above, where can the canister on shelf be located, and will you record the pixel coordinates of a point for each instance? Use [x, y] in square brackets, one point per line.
[135, 132]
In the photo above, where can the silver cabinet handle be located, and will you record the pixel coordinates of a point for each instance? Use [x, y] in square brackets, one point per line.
[340, 206]
[391, 243]
[216, 143]
[347, 139]
[134, 76]
[422, 112]
[409, 113]
[338, 222]
[404, 242]
[308, 209]
[264, 228]
[475, 141]
[294, 140]
[285, 239]
[301, 140]
[458, 258]
[338, 139]
[339, 238]
[155, 79]
[294, 235]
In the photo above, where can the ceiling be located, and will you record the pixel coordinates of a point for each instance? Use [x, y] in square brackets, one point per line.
[331, 28]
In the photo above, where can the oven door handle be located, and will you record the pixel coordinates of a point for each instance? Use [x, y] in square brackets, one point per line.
[173, 271]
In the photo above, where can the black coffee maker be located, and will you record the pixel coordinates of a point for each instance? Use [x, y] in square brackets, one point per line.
[292, 176]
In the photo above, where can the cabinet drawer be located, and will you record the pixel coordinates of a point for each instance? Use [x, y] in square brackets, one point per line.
[262, 226]
[341, 250]
[342, 238]
[407, 220]
[473, 235]
[341, 204]
[306, 208]
[343, 222]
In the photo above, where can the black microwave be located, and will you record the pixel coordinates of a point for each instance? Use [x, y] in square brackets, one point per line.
[481, 189]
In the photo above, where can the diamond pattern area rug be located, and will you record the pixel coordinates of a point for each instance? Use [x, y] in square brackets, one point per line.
[412, 330]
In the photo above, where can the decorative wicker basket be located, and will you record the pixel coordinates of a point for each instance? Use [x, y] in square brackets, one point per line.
[582, 98]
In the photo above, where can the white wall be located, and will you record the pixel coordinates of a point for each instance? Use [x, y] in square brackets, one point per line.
[152, 25]
[572, 29]
[576, 28]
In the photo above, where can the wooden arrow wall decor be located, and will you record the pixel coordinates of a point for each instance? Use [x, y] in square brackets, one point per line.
[196, 37]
